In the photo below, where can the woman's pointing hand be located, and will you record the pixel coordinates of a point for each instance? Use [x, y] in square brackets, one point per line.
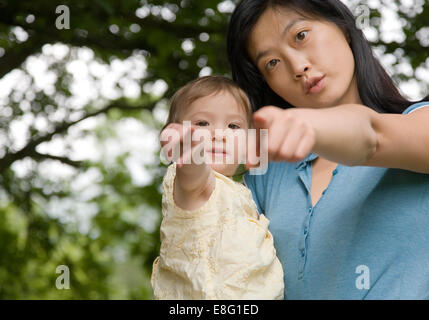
[291, 136]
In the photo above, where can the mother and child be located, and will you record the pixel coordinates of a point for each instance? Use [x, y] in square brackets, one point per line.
[346, 191]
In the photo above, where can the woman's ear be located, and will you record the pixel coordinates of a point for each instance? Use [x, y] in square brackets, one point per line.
[348, 38]
[346, 34]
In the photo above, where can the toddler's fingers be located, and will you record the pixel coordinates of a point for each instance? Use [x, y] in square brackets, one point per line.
[186, 132]
[199, 135]
[192, 156]
[169, 138]
[175, 135]
[198, 153]
[170, 132]
[186, 139]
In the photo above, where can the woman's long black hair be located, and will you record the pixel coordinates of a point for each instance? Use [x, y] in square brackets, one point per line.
[376, 88]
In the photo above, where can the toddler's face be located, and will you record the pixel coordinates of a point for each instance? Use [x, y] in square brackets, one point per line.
[226, 123]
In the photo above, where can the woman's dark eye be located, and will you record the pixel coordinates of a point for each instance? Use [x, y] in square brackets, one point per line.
[233, 126]
[272, 63]
[301, 36]
[202, 123]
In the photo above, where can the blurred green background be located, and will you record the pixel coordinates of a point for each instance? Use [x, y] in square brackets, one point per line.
[80, 113]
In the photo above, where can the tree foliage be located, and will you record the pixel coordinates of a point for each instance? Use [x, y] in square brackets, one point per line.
[106, 231]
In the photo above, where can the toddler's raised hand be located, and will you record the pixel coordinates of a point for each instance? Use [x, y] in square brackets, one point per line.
[177, 145]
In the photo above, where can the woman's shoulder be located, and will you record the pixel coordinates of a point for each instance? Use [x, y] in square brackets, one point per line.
[416, 106]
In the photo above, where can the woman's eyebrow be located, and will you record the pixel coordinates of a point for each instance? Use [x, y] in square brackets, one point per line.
[285, 31]
[260, 55]
[290, 25]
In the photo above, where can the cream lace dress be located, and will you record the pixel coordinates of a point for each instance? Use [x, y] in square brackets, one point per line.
[222, 250]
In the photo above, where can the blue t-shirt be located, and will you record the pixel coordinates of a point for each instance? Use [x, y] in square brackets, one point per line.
[366, 238]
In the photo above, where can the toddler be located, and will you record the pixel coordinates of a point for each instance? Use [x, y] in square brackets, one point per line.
[214, 243]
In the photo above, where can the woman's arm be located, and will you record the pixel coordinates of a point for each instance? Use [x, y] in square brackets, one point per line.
[340, 134]
[402, 141]
[344, 134]
[351, 134]
[357, 135]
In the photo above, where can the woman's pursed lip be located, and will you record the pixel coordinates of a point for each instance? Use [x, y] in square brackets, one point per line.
[317, 87]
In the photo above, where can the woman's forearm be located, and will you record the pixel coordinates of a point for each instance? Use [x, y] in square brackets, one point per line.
[344, 134]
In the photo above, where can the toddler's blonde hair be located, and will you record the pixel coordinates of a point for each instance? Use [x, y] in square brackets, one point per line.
[203, 87]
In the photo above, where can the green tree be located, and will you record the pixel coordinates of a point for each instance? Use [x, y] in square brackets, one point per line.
[62, 204]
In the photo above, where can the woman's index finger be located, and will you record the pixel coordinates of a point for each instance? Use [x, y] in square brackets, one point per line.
[264, 117]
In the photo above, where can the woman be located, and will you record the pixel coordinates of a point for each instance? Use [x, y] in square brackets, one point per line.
[347, 188]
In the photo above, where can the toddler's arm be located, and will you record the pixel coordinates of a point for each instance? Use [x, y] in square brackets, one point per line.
[194, 182]
[193, 185]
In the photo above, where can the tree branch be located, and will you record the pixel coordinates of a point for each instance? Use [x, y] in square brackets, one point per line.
[40, 156]
[15, 56]
[30, 148]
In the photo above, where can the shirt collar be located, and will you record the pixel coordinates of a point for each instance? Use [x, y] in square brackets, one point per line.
[305, 161]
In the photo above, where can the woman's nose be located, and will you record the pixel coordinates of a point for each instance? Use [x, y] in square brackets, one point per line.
[298, 63]
[301, 72]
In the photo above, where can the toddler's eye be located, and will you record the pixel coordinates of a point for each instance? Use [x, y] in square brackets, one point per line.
[202, 123]
[233, 126]
[301, 36]
[272, 63]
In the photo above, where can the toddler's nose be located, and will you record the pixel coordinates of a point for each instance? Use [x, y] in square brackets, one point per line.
[218, 135]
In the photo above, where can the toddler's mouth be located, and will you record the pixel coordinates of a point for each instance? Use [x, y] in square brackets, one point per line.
[217, 150]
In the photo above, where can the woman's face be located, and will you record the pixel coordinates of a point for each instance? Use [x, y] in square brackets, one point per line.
[308, 63]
